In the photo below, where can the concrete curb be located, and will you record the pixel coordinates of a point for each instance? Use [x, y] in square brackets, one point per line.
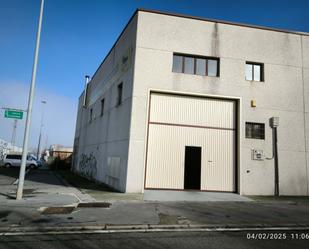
[149, 228]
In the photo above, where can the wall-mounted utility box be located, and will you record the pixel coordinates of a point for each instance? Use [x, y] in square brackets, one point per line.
[257, 155]
[253, 103]
[274, 122]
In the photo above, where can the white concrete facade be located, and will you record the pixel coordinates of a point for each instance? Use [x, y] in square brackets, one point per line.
[112, 148]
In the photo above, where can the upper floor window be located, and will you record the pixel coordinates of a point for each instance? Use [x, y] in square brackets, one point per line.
[255, 130]
[254, 71]
[119, 93]
[91, 115]
[206, 66]
[102, 106]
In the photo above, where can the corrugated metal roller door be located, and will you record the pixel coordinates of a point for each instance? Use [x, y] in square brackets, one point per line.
[178, 121]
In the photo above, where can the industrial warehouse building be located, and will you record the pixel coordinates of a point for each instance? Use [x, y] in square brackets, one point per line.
[184, 103]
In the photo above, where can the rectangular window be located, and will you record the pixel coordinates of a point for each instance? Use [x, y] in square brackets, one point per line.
[119, 94]
[255, 130]
[249, 72]
[257, 72]
[212, 67]
[177, 64]
[189, 65]
[254, 71]
[205, 66]
[91, 115]
[200, 66]
[14, 157]
[102, 106]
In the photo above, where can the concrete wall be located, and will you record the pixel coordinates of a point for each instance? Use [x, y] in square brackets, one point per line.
[286, 63]
[305, 76]
[101, 146]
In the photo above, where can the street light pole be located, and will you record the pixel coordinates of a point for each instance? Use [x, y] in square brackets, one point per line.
[14, 133]
[41, 126]
[19, 193]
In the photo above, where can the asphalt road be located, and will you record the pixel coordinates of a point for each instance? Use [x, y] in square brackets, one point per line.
[160, 240]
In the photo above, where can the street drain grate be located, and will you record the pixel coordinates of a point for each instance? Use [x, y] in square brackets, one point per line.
[58, 210]
[93, 204]
[28, 191]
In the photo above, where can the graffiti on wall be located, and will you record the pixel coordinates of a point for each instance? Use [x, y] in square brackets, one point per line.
[88, 165]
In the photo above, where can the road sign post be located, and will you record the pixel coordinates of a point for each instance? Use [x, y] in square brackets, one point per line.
[14, 133]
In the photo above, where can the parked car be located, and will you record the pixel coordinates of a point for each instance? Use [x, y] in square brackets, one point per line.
[14, 160]
[40, 163]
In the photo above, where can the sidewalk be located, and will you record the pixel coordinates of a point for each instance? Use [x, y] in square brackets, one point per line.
[50, 204]
[40, 187]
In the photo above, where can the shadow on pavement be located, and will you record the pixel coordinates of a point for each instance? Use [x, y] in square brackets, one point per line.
[50, 179]
[10, 172]
[9, 175]
[10, 197]
[80, 182]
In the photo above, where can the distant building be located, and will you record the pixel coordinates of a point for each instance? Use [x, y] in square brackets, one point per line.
[184, 102]
[60, 151]
[6, 147]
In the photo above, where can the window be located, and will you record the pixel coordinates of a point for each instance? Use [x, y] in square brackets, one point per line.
[9, 157]
[200, 66]
[255, 130]
[14, 157]
[205, 66]
[91, 115]
[212, 68]
[189, 65]
[254, 71]
[102, 106]
[177, 64]
[119, 94]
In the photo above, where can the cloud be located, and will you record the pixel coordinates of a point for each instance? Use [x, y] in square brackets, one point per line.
[59, 115]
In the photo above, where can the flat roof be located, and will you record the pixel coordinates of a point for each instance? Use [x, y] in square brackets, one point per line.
[196, 18]
[221, 21]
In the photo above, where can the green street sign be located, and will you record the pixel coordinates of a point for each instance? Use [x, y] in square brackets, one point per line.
[13, 114]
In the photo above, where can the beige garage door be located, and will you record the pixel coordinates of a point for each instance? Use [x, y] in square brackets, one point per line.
[191, 143]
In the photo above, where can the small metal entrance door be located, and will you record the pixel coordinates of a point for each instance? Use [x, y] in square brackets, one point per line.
[192, 176]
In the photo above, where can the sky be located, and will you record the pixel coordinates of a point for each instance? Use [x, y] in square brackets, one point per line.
[76, 37]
